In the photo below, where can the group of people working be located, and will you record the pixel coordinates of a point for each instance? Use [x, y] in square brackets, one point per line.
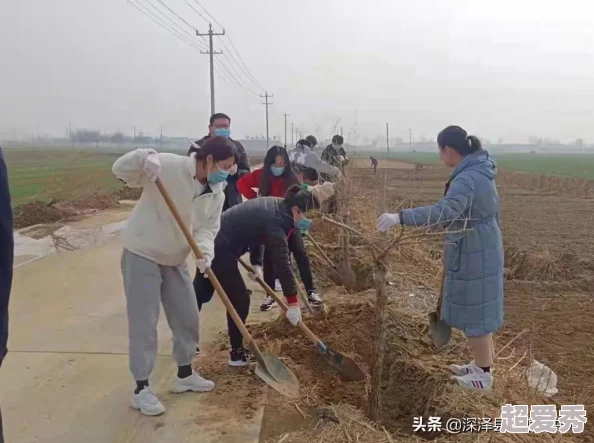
[207, 187]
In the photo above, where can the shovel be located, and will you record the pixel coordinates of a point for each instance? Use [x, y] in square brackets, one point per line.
[338, 276]
[344, 365]
[440, 330]
[269, 368]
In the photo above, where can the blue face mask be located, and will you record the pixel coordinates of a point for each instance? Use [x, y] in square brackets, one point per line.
[303, 224]
[277, 171]
[223, 132]
[218, 176]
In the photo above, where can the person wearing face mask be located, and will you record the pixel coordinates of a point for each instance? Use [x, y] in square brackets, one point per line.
[303, 156]
[155, 252]
[267, 221]
[220, 126]
[273, 180]
[473, 250]
[335, 154]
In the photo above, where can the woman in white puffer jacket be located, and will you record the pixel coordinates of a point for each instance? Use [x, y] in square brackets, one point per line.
[155, 252]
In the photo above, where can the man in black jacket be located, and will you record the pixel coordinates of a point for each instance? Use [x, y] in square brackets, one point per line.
[6, 259]
[220, 125]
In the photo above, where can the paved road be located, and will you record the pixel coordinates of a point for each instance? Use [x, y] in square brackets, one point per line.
[66, 377]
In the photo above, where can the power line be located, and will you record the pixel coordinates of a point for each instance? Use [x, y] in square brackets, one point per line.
[209, 14]
[245, 66]
[252, 78]
[151, 16]
[197, 12]
[237, 82]
[193, 28]
[247, 75]
[211, 52]
[175, 25]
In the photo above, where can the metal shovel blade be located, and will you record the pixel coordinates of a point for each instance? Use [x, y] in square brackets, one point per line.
[276, 375]
[347, 276]
[344, 365]
[335, 277]
[440, 330]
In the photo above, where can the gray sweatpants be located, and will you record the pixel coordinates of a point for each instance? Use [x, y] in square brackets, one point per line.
[147, 285]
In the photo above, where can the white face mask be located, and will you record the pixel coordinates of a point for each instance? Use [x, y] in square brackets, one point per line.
[335, 146]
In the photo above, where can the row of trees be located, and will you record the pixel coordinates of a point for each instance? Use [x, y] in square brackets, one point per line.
[89, 136]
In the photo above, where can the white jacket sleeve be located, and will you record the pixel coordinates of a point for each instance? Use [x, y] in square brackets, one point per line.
[207, 221]
[130, 168]
[313, 161]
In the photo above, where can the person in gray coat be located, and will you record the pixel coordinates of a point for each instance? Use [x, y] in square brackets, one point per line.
[303, 156]
[473, 252]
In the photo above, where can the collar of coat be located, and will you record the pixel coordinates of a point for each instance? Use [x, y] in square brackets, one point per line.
[473, 160]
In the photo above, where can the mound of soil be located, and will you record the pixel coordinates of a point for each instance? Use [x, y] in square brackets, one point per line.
[38, 212]
[416, 378]
[542, 265]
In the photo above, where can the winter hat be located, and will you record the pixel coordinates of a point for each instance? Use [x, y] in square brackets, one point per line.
[322, 192]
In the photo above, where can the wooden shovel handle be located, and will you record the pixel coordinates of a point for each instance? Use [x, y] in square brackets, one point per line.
[282, 304]
[319, 248]
[440, 299]
[213, 278]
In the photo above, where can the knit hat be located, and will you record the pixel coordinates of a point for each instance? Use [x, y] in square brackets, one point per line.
[322, 192]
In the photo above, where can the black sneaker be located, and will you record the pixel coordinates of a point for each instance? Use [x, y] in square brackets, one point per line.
[239, 357]
[314, 298]
[268, 304]
[197, 351]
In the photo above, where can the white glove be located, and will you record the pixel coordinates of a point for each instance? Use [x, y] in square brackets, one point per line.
[233, 170]
[257, 273]
[341, 159]
[152, 167]
[203, 264]
[294, 314]
[387, 221]
[336, 171]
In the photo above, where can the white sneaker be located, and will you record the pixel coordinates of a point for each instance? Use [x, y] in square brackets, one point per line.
[476, 380]
[147, 402]
[462, 369]
[277, 286]
[268, 304]
[193, 383]
[314, 298]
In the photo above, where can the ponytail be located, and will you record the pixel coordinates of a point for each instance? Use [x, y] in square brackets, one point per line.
[304, 200]
[475, 144]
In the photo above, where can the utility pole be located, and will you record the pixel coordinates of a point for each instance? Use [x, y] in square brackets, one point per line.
[410, 139]
[285, 115]
[341, 131]
[266, 96]
[161, 139]
[134, 127]
[211, 52]
[292, 132]
[387, 140]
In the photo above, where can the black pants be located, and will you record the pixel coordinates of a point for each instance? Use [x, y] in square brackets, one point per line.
[226, 267]
[297, 248]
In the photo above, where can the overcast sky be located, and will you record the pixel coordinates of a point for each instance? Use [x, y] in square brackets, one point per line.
[507, 69]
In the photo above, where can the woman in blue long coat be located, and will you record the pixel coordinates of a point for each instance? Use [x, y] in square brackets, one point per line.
[473, 251]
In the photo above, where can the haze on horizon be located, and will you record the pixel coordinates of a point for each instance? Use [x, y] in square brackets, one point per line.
[500, 69]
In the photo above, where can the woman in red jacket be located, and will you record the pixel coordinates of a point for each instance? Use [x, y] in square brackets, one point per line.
[273, 180]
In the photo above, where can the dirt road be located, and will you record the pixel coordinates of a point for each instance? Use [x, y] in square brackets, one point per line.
[66, 377]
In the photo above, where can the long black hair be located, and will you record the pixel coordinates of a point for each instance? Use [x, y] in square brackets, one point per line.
[458, 139]
[289, 176]
[304, 200]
